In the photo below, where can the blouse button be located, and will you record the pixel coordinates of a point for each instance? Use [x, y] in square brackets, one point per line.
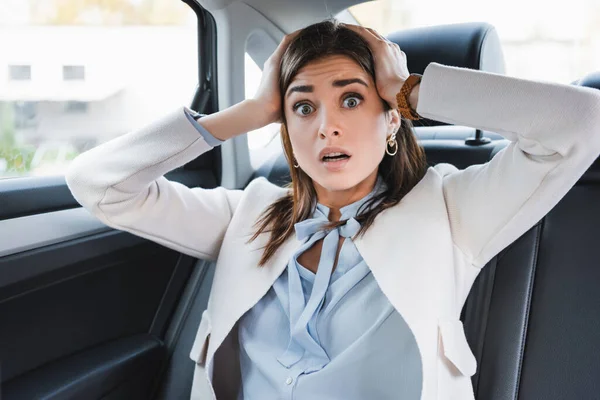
[289, 380]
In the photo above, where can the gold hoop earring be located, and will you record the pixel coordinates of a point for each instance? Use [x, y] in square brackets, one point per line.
[391, 144]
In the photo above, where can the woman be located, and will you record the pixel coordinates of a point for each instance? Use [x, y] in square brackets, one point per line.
[349, 284]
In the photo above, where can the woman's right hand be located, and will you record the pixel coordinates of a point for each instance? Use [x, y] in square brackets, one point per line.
[261, 110]
[268, 95]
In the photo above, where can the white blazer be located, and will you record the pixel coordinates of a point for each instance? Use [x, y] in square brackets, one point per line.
[424, 253]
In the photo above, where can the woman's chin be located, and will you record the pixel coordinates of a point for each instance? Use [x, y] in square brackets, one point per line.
[335, 182]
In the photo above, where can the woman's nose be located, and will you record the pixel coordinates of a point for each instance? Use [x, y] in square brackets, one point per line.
[329, 127]
[324, 135]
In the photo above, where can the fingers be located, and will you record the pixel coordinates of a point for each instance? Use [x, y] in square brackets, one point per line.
[373, 38]
[280, 49]
[291, 36]
[376, 34]
[287, 39]
[283, 45]
[396, 46]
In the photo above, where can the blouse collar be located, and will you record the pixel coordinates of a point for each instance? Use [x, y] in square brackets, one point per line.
[351, 210]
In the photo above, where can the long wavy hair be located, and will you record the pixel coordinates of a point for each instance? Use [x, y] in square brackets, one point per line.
[400, 172]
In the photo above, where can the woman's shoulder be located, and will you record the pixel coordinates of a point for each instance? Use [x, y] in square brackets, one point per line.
[261, 183]
[443, 169]
[260, 193]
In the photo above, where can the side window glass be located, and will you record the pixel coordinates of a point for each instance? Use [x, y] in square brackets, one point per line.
[75, 74]
[265, 142]
[561, 44]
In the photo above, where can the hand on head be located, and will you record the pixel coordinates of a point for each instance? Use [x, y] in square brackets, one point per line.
[268, 90]
[391, 70]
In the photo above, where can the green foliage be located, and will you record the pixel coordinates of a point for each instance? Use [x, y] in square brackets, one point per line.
[17, 158]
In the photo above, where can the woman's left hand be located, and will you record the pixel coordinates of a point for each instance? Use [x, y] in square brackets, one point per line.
[391, 70]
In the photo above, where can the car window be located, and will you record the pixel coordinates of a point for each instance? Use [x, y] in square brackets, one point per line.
[265, 142]
[541, 40]
[75, 74]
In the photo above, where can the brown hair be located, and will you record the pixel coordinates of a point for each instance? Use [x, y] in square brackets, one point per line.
[400, 172]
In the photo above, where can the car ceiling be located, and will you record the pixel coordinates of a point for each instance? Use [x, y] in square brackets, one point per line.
[288, 15]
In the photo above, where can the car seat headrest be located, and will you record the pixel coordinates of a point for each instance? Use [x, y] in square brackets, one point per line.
[473, 45]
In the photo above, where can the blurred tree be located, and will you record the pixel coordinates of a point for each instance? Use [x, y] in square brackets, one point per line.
[14, 160]
[7, 124]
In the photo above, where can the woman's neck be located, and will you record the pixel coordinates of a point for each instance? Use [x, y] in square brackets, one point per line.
[335, 200]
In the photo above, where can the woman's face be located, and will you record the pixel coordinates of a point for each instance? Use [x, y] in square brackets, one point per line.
[337, 124]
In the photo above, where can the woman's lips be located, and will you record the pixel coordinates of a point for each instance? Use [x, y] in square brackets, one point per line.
[336, 165]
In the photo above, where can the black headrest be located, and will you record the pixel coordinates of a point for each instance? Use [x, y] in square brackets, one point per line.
[473, 45]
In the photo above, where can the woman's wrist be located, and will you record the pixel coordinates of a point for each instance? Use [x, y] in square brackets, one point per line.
[413, 97]
[238, 119]
[262, 114]
[393, 92]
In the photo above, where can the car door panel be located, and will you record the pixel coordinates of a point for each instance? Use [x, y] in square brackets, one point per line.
[84, 307]
[105, 371]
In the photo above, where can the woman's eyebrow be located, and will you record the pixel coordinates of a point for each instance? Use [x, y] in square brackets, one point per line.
[345, 82]
[301, 89]
[338, 83]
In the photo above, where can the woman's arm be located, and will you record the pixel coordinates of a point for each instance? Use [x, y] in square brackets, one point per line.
[238, 119]
[555, 134]
[121, 182]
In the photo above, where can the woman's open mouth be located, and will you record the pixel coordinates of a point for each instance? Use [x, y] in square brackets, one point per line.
[335, 161]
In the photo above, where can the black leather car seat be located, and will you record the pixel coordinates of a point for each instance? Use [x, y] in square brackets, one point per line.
[533, 316]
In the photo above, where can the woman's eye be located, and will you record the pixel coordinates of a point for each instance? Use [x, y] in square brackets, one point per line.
[352, 101]
[304, 109]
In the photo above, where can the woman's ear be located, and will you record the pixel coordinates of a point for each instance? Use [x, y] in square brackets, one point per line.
[394, 120]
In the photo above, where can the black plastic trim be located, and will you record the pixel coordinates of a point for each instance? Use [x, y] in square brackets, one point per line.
[21, 197]
[25, 266]
[179, 279]
[91, 374]
[206, 99]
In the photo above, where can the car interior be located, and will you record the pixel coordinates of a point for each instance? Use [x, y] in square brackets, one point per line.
[88, 312]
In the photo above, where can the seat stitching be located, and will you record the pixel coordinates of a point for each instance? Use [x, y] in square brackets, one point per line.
[528, 309]
[491, 271]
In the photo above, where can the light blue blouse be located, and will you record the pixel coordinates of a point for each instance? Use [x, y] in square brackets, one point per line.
[329, 335]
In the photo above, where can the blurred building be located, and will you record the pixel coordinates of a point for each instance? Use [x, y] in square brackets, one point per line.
[92, 83]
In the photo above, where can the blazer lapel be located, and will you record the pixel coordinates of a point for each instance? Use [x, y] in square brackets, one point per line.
[241, 283]
[406, 246]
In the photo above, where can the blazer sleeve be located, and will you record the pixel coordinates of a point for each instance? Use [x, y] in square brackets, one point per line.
[121, 182]
[554, 133]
